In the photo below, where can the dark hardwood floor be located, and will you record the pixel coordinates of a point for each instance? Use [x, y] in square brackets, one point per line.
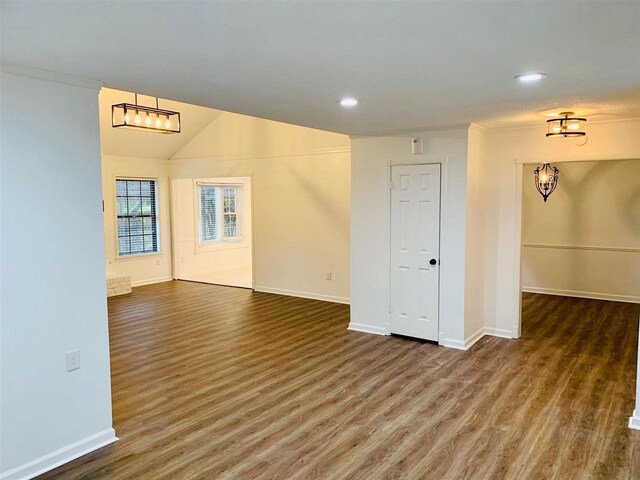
[220, 383]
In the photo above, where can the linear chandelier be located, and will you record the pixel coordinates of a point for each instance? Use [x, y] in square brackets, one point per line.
[546, 178]
[141, 117]
[566, 126]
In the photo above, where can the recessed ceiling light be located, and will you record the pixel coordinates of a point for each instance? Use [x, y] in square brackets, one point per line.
[530, 77]
[348, 102]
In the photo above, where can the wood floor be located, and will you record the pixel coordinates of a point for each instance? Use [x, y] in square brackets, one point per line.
[220, 383]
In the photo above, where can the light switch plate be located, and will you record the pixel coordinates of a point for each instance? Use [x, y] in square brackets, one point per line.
[73, 360]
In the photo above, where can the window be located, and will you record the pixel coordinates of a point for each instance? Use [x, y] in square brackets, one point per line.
[137, 216]
[219, 213]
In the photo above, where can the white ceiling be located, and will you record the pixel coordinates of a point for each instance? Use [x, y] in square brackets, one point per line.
[412, 64]
[135, 143]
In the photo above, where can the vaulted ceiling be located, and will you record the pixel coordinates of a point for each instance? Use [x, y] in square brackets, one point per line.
[411, 64]
[132, 143]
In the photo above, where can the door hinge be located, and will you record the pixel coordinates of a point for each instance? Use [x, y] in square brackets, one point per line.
[102, 206]
[390, 185]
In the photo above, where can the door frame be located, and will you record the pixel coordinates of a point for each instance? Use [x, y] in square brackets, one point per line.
[175, 261]
[425, 160]
[516, 328]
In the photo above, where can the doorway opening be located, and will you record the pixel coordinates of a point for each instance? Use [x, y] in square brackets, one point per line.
[212, 230]
[583, 243]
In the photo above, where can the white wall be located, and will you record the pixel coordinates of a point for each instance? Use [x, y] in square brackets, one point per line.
[148, 268]
[52, 274]
[301, 202]
[607, 141]
[224, 262]
[585, 240]
[478, 178]
[370, 169]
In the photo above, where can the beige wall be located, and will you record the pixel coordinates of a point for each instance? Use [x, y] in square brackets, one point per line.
[607, 141]
[148, 268]
[301, 205]
[370, 230]
[585, 240]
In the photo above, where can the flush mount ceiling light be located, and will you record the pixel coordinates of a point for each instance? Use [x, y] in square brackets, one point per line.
[530, 77]
[349, 102]
[566, 126]
[141, 117]
[546, 178]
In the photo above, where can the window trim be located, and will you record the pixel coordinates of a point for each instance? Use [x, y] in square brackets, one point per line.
[134, 256]
[223, 243]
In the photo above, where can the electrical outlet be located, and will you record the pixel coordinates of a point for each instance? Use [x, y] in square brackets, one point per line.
[328, 275]
[73, 360]
[157, 261]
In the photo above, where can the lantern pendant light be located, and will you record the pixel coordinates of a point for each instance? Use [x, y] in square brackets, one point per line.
[546, 178]
[141, 117]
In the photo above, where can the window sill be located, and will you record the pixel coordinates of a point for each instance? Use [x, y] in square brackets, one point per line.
[137, 256]
[219, 245]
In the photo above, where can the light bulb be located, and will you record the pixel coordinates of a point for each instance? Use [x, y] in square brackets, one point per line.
[167, 124]
[147, 120]
[574, 126]
[138, 120]
[127, 119]
[556, 129]
[158, 122]
[543, 179]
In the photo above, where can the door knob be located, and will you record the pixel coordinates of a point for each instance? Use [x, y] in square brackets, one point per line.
[433, 261]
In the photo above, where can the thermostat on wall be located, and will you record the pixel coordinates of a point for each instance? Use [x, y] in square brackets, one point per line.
[416, 145]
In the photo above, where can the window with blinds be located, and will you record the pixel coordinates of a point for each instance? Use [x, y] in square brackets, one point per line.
[218, 213]
[136, 208]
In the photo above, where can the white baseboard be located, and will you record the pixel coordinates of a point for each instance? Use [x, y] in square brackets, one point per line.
[634, 421]
[60, 457]
[498, 332]
[592, 295]
[149, 281]
[359, 327]
[471, 340]
[312, 296]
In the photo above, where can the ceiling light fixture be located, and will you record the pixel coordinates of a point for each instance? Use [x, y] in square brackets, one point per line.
[349, 102]
[546, 178]
[121, 117]
[566, 126]
[530, 77]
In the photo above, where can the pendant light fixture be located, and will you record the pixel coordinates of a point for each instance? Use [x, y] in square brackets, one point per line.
[141, 117]
[546, 178]
[566, 126]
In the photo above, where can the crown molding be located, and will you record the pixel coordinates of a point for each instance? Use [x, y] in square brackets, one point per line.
[39, 74]
[395, 133]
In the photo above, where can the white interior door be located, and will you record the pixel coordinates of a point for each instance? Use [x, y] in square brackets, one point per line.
[415, 250]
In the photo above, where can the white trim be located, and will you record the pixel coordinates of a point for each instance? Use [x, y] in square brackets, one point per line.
[360, 327]
[149, 281]
[406, 131]
[582, 247]
[575, 293]
[60, 457]
[40, 74]
[309, 295]
[471, 340]
[233, 158]
[498, 332]
[451, 343]
[634, 421]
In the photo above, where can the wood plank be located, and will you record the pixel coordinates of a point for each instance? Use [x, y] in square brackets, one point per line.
[216, 382]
